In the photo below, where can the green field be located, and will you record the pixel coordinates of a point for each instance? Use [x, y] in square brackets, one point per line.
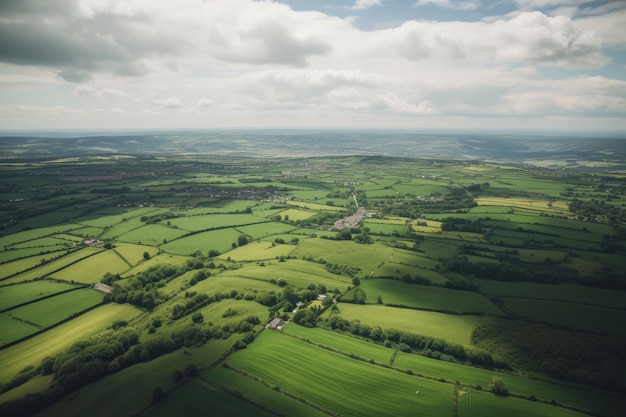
[575, 316]
[475, 403]
[32, 351]
[219, 240]
[13, 295]
[281, 360]
[366, 257]
[536, 256]
[45, 313]
[296, 272]
[195, 398]
[91, 270]
[258, 251]
[51, 267]
[445, 326]
[562, 292]
[214, 221]
[424, 297]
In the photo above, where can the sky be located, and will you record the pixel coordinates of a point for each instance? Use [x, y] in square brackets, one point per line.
[386, 64]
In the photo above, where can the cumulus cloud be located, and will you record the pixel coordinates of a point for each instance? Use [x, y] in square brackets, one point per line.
[107, 93]
[365, 4]
[450, 4]
[531, 38]
[169, 103]
[204, 102]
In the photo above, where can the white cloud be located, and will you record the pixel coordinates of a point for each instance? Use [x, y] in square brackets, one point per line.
[365, 4]
[263, 60]
[169, 103]
[107, 93]
[204, 102]
[532, 38]
[450, 4]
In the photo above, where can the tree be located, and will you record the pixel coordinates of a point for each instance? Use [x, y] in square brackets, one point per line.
[197, 318]
[146, 256]
[157, 395]
[356, 281]
[242, 240]
[498, 387]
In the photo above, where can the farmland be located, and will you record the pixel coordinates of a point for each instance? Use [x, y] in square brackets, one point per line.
[394, 285]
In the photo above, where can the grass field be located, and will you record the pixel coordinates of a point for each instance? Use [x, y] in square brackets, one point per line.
[129, 392]
[152, 234]
[445, 326]
[33, 350]
[258, 251]
[296, 214]
[133, 254]
[477, 403]
[45, 313]
[265, 229]
[261, 394]
[219, 240]
[282, 361]
[195, 398]
[426, 297]
[575, 316]
[214, 221]
[558, 292]
[580, 397]
[91, 270]
[366, 257]
[343, 343]
[13, 295]
[48, 268]
[296, 272]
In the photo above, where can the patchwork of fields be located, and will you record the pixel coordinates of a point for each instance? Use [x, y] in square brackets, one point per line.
[460, 273]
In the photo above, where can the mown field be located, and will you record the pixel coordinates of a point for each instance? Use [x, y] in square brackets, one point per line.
[456, 274]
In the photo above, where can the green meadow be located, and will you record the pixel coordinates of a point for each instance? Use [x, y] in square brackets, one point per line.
[521, 267]
[439, 325]
[362, 394]
[391, 292]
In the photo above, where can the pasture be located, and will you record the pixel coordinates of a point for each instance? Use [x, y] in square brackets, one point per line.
[484, 404]
[272, 358]
[47, 268]
[366, 257]
[261, 394]
[574, 316]
[258, 251]
[577, 396]
[152, 234]
[195, 398]
[45, 313]
[53, 341]
[296, 272]
[91, 270]
[343, 343]
[425, 297]
[214, 221]
[439, 325]
[257, 231]
[571, 293]
[130, 388]
[13, 295]
[219, 240]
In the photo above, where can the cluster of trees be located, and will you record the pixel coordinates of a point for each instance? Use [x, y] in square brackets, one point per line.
[568, 355]
[343, 269]
[90, 360]
[289, 297]
[408, 341]
[141, 290]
